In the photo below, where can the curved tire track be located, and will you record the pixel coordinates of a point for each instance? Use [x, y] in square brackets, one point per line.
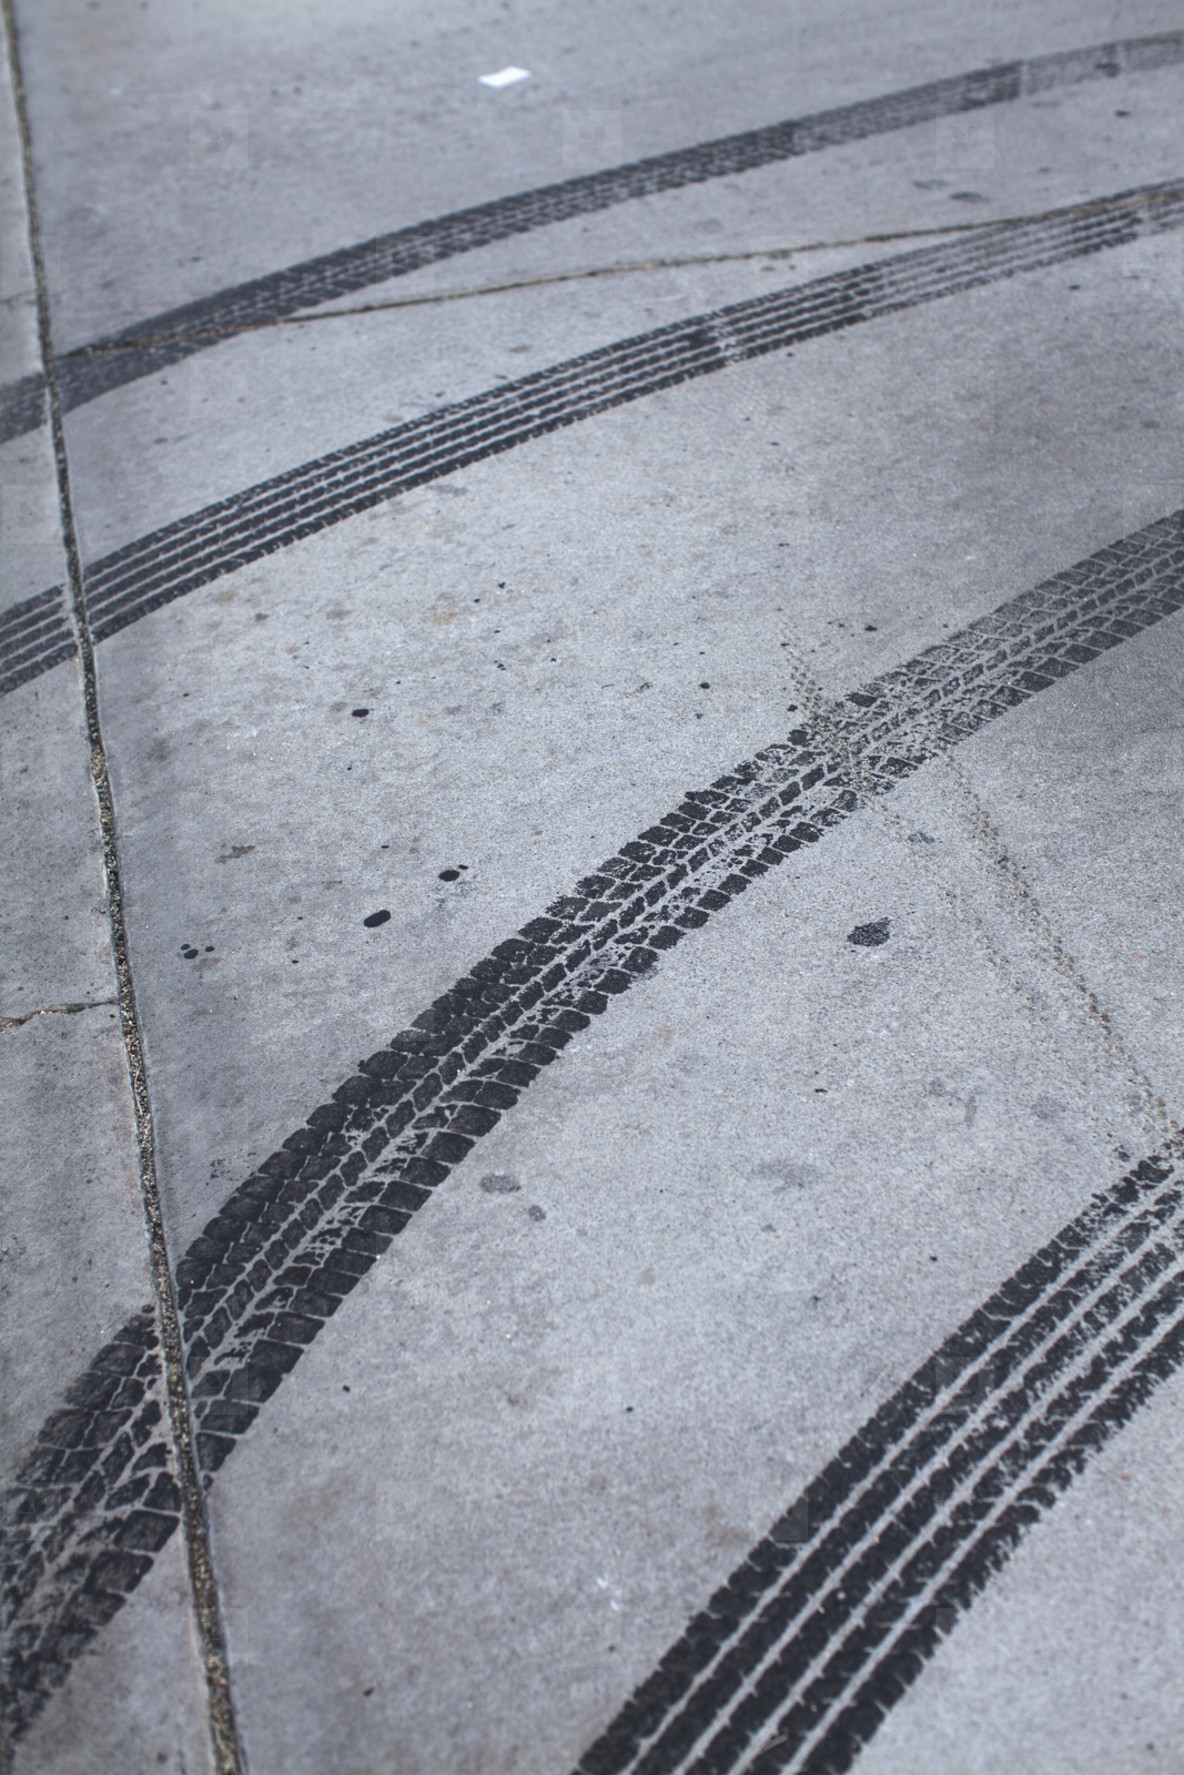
[797, 1659]
[154, 344]
[141, 577]
[81, 1521]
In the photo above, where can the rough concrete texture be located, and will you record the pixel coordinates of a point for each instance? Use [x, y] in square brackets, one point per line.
[648, 903]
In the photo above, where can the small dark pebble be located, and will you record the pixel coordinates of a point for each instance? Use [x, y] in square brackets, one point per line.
[359, 712]
[705, 685]
[209, 949]
[499, 1184]
[189, 954]
[869, 628]
[868, 936]
[376, 918]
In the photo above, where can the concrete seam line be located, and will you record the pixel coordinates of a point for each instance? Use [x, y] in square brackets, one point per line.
[167, 338]
[614, 268]
[193, 551]
[180, 1495]
[69, 1010]
[294, 1239]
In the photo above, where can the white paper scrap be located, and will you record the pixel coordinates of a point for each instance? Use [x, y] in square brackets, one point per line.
[504, 77]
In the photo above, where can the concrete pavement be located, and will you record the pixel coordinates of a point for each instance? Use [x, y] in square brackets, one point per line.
[593, 1009]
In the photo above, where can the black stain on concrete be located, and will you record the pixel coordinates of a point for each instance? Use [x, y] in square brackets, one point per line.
[376, 918]
[869, 936]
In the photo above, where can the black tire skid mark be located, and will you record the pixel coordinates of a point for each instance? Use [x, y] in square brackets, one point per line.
[297, 1236]
[35, 636]
[90, 1508]
[155, 344]
[221, 538]
[899, 1669]
[845, 1562]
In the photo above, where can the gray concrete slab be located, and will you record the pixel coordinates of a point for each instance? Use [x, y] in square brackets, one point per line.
[313, 137]
[683, 1328]
[546, 1414]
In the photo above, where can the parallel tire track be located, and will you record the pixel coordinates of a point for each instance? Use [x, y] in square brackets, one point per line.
[35, 636]
[867, 1571]
[153, 344]
[183, 556]
[254, 1289]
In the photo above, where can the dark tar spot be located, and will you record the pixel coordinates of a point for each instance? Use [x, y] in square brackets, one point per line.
[704, 685]
[189, 954]
[869, 628]
[534, 1212]
[449, 875]
[868, 936]
[376, 918]
[359, 712]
